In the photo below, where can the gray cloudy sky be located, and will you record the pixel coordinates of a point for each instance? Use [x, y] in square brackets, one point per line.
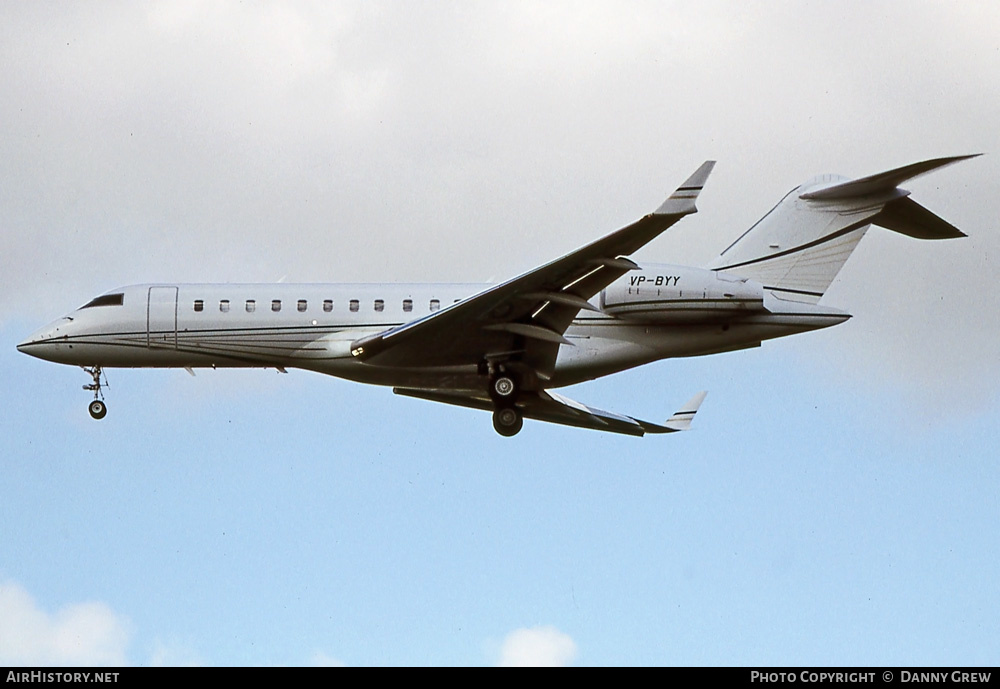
[436, 141]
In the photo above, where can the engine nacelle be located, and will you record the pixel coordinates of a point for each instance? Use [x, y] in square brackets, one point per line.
[680, 294]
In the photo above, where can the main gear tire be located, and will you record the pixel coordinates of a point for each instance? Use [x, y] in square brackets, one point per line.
[507, 421]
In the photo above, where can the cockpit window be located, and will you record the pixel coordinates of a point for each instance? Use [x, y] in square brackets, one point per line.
[106, 300]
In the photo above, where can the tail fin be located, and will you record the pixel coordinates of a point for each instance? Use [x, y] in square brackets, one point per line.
[798, 248]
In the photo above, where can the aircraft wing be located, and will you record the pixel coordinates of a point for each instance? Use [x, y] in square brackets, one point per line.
[548, 406]
[524, 319]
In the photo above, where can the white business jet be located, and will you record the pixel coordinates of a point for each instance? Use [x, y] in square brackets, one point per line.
[504, 348]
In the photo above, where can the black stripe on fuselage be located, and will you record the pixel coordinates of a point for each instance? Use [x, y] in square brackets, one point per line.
[668, 302]
[794, 291]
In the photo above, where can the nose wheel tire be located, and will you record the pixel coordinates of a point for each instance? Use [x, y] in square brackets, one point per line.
[507, 421]
[98, 409]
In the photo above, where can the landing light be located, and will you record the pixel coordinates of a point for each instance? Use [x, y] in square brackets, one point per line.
[357, 351]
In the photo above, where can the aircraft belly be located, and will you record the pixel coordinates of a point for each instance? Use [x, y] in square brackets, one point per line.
[601, 350]
[432, 377]
[608, 347]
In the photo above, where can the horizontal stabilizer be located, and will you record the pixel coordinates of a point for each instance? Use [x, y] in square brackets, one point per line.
[908, 217]
[881, 182]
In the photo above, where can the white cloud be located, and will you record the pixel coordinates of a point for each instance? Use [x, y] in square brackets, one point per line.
[321, 659]
[173, 655]
[79, 634]
[543, 646]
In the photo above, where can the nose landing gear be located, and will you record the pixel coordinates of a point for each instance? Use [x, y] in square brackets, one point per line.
[98, 409]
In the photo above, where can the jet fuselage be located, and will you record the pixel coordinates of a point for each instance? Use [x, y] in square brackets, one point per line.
[657, 312]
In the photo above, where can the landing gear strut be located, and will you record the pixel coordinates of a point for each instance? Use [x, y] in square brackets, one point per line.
[98, 409]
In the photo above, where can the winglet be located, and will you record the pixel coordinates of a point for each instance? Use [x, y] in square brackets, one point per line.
[681, 421]
[682, 201]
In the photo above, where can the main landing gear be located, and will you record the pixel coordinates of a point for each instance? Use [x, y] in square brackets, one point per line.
[98, 409]
[507, 421]
[507, 418]
[503, 388]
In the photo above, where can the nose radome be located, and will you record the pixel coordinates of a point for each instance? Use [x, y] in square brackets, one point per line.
[40, 341]
[32, 343]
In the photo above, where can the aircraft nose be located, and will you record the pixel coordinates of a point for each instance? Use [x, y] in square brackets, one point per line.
[33, 344]
[42, 342]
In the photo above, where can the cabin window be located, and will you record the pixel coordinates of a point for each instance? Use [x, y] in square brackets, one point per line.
[380, 305]
[251, 305]
[435, 304]
[106, 300]
[407, 305]
[301, 306]
[355, 304]
[328, 305]
[276, 305]
[199, 305]
[224, 306]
